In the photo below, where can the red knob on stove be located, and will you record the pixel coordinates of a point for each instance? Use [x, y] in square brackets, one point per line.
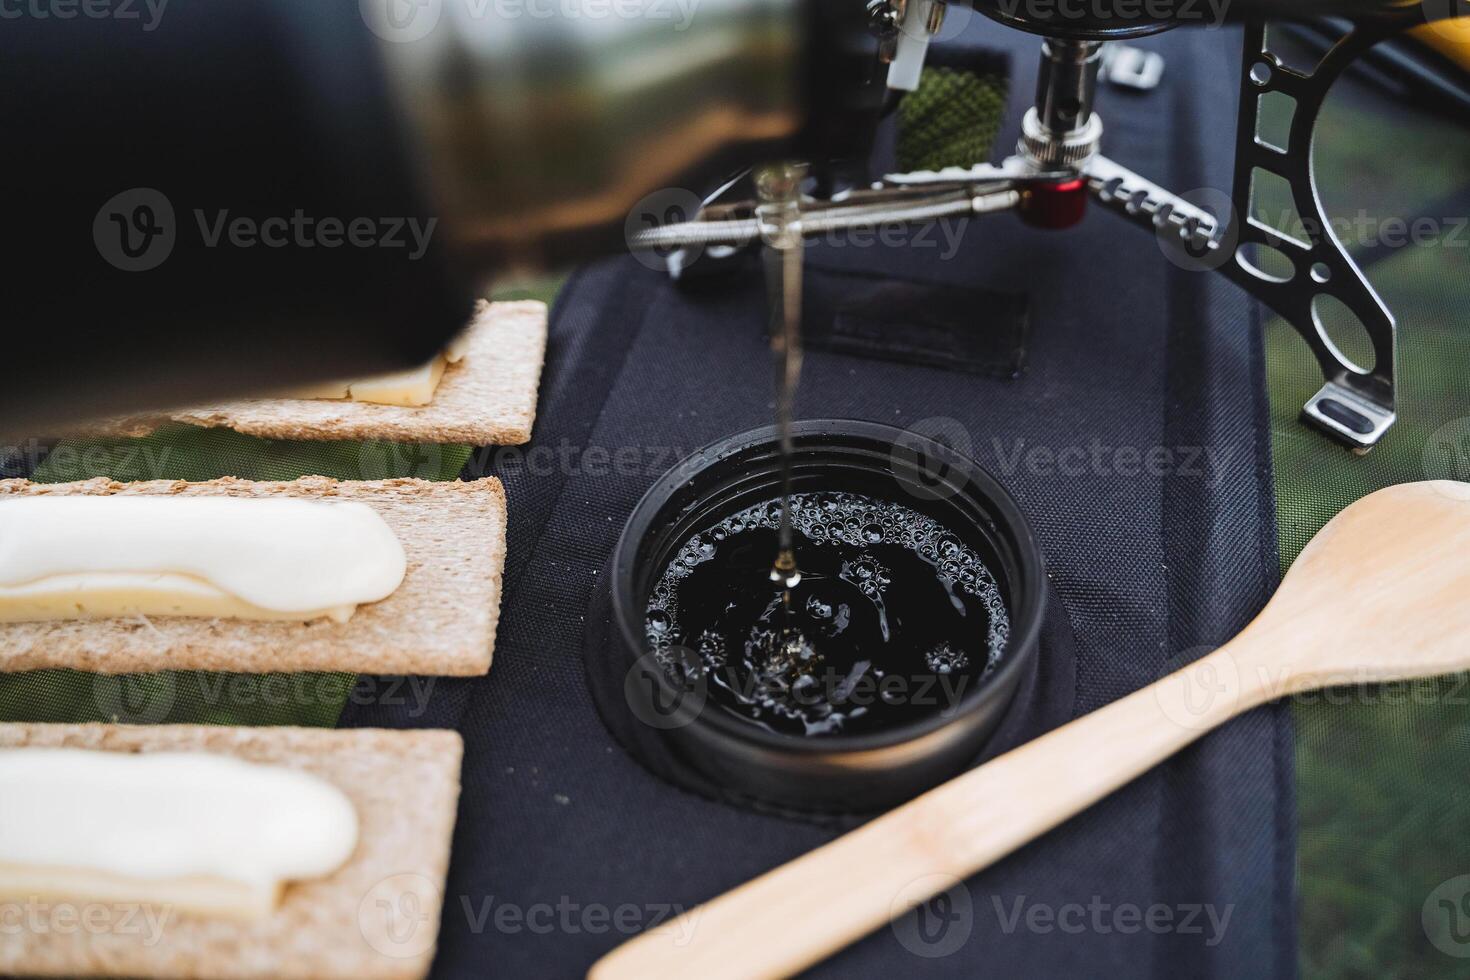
[1059, 205]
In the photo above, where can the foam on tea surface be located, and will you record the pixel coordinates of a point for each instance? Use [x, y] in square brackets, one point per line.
[894, 617]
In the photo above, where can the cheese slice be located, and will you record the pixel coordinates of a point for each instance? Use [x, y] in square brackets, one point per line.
[103, 595]
[412, 389]
[206, 833]
[323, 389]
[408, 388]
[83, 557]
[204, 895]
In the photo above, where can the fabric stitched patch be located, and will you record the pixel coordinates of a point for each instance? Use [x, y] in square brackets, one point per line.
[980, 331]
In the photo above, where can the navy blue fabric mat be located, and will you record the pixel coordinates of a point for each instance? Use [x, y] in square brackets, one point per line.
[1152, 563]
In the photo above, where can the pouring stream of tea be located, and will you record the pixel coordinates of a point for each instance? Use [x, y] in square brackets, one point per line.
[778, 188]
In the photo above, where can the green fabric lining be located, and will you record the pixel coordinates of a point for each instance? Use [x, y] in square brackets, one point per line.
[1383, 772]
[951, 119]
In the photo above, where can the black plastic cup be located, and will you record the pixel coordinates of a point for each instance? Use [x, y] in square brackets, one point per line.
[665, 718]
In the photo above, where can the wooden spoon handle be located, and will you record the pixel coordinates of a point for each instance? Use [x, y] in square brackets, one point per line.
[807, 909]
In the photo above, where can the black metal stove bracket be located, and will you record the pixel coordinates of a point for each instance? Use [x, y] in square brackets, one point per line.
[1355, 405]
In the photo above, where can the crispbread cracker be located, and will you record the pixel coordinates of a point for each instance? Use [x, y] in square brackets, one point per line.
[405, 787]
[487, 398]
[440, 620]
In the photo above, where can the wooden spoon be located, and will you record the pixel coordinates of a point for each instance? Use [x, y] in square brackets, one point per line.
[1381, 593]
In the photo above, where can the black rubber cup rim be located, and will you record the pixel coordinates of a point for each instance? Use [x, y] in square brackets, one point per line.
[851, 773]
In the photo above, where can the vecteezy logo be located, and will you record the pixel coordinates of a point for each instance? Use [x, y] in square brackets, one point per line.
[1447, 457]
[923, 471]
[401, 21]
[134, 699]
[953, 19]
[670, 206]
[1200, 252]
[666, 690]
[1190, 696]
[1446, 917]
[135, 230]
[939, 925]
[383, 460]
[399, 916]
[1447, 18]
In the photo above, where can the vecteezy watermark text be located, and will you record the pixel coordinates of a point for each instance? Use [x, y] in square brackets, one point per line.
[406, 21]
[148, 13]
[1211, 687]
[942, 923]
[137, 230]
[1208, 12]
[1100, 917]
[1097, 458]
[1365, 230]
[668, 687]
[568, 917]
[37, 917]
[399, 916]
[564, 458]
[149, 699]
[304, 231]
[121, 460]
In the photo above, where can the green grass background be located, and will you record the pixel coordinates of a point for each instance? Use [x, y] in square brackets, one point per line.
[1383, 774]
